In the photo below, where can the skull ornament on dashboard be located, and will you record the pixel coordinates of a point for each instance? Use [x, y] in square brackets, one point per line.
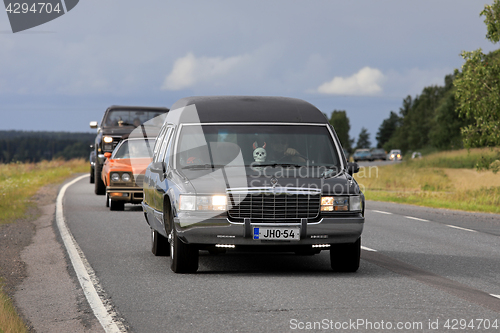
[259, 153]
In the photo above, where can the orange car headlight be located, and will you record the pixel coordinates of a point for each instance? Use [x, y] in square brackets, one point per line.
[115, 177]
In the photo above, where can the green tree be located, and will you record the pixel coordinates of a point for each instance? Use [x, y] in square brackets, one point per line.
[363, 139]
[478, 98]
[387, 129]
[445, 132]
[478, 88]
[492, 21]
[427, 120]
[341, 124]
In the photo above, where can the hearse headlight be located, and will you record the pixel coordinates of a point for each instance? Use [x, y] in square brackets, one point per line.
[115, 177]
[355, 203]
[203, 202]
[330, 204]
[107, 139]
[126, 177]
[335, 204]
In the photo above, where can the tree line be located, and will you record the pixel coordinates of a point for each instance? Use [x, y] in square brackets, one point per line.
[30, 146]
[464, 112]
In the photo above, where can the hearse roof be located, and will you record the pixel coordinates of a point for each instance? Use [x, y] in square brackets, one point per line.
[250, 109]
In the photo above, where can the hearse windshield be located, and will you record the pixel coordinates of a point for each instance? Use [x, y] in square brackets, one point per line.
[255, 145]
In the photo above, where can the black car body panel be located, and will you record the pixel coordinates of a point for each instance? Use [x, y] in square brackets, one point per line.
[250, 109]
[379, 154]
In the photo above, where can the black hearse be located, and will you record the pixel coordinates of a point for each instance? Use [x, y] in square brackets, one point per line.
[251, 173]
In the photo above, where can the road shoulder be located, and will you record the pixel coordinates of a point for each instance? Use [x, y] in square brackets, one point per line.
[43, 286]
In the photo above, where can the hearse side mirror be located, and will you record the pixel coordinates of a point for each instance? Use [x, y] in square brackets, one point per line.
[107, 155]
[158, 167]
[93, 124]
[352, 168]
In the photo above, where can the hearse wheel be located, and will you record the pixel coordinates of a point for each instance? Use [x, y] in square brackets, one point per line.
[345, 257]
[159, 244]
[184, 256]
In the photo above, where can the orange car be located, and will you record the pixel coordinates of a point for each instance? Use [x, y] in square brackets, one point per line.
[123, 171]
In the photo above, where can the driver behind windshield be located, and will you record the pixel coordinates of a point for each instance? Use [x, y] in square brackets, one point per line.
[281, 150]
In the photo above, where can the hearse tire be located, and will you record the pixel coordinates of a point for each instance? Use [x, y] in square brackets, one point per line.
[159, 244]
[184, 256]
[345, 257]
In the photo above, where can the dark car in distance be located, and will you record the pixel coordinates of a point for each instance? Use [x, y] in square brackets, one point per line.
[117, 122]
[247, 173]
[378, 154]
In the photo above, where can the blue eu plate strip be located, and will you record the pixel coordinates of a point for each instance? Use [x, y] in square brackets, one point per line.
[255, 233]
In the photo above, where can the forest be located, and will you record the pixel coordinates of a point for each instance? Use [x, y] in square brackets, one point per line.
[30, 146]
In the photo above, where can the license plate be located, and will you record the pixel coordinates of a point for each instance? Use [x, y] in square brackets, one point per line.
[276, 233]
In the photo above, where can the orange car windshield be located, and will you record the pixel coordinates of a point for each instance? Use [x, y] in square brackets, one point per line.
[135, 148]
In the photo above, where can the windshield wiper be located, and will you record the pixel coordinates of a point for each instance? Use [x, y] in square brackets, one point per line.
[330, 172]
[203, 166]
[274, 165]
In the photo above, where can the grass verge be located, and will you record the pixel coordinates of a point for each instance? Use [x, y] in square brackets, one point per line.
[434, 181]
[9, 319]
[18, 183]
[486, 200]
[477, 158]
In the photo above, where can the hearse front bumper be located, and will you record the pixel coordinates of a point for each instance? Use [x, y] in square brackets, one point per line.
[220, 230]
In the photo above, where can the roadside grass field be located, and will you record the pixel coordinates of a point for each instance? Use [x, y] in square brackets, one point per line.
[9, 319]
[453, 180]
[18, 183]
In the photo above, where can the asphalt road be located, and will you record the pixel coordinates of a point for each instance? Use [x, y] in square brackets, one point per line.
[424, 273]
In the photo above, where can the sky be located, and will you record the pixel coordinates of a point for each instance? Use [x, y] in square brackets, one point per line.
[360, 56]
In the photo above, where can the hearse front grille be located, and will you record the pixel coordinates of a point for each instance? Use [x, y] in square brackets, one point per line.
[274, 207]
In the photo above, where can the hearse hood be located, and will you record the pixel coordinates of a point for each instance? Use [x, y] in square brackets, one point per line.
[224, 179]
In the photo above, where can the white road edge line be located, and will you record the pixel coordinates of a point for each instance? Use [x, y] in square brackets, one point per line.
[101, 307]
[381, 212]
[368, 249]
[454, 226]
[416, 218]
[497, 296]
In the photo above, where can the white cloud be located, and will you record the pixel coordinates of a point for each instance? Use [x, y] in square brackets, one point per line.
[365, 82]
[189, 70]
